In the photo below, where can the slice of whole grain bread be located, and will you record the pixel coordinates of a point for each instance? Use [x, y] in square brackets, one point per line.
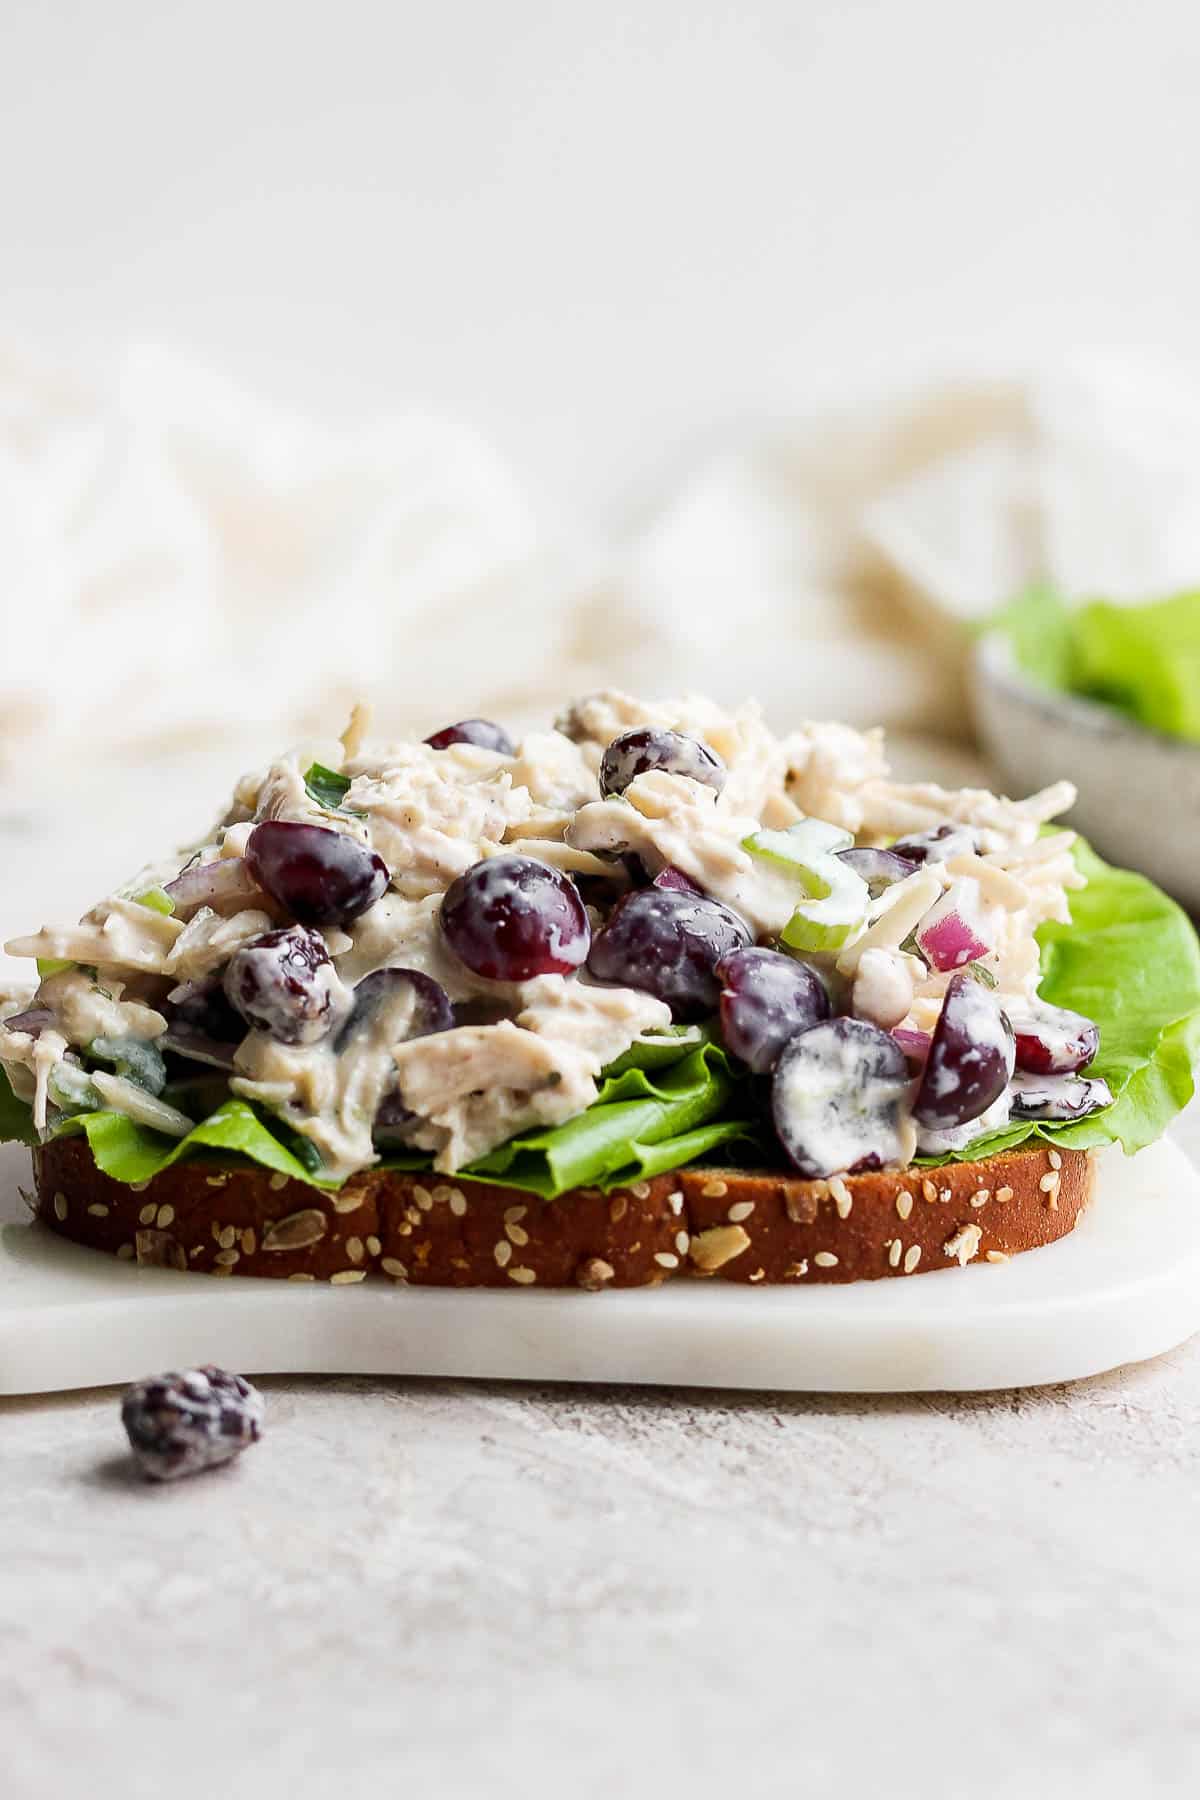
[703, 1222]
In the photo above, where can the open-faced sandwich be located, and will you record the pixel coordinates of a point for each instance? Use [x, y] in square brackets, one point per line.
[655, 993]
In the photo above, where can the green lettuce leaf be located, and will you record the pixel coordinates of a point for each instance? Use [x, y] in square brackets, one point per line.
[1142, 660]
[326, 786]
[1145, 660]
[644, 1121]
[16, 1119]
[1038, 625]
[129, 1152]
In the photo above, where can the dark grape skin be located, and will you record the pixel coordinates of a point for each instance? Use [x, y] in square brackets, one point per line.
[510, 918]
[643, 748]
[483, 732]
[668, 944]
[853, 1123]
[766, 1000]
[970, 1059]
[318, 876]
[285, 984]
[936, 845]
[408, 996]
[202, 1026]
[1058, 1096]
[1053, 1041]
[879, 868]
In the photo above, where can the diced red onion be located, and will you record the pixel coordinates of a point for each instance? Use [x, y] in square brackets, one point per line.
[674, 878]
[223, 882]
[949, 934]
[34, 1021]
[915, 1044]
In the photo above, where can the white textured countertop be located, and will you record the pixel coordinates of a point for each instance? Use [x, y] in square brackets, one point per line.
[451, 1589]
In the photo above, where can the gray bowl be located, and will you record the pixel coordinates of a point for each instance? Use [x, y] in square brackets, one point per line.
[1139, 791]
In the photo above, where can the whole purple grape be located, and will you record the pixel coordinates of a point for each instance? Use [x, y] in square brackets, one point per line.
[645, 747]
[668, 944]
[766, 1000]
[182, 1422]
[285, 984]
[473, 731]
[837, 1098]
[510, 918]
[970, 1059]
[319, 876]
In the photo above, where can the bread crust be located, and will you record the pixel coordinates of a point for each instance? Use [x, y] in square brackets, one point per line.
[706, 1223]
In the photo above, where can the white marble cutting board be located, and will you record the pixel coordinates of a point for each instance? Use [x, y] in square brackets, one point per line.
[1123, 1287]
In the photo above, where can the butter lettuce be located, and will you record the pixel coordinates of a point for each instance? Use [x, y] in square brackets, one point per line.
[1129, 960]
[1142, 660]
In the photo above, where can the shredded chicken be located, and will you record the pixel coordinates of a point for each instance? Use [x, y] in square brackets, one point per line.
[529, 1054]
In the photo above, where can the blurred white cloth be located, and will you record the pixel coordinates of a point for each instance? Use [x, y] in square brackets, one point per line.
[179, 563]
[836, 568]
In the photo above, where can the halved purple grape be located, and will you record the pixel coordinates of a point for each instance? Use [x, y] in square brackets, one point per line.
[837, 1098]
[938, 844]
[226, 882]
[285, 984]
[766, 1000]
[675, 879]
[483, 732]
[202, 1025]
[1051, 1040]
[879, 868]
[510, 918]
[646, 747]
[391, 1119]
[1058, 1096]
[669, 944]
[396, 1004]
[319, 876]
[970, 1059]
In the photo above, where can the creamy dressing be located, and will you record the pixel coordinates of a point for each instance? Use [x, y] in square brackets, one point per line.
[530, 1054]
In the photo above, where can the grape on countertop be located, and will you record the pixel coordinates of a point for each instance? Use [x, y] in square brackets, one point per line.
[182, 1422]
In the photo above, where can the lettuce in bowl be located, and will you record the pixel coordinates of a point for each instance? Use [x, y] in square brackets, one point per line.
[1142, 660]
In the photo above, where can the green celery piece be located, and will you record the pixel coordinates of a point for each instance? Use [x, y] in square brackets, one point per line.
[326, 786]
[52, 965]
[804, 851]
[158, 900]
[1144, 660]
[838, 897]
